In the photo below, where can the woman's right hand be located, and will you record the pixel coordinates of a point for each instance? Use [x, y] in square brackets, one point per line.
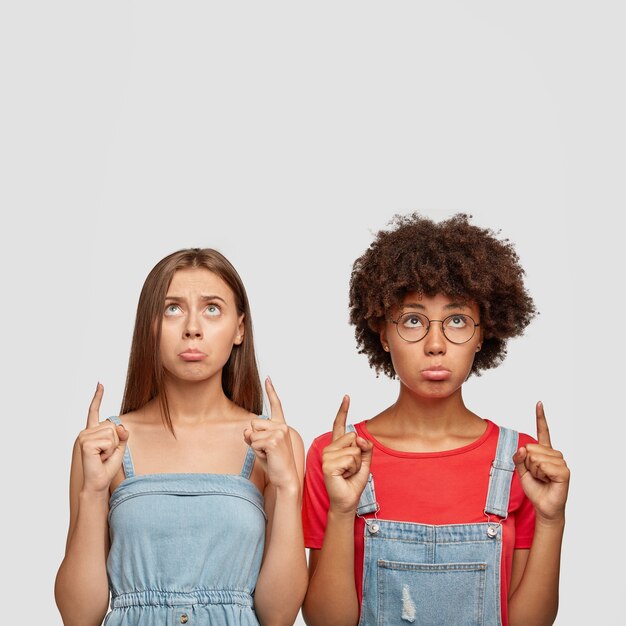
[102, 447]
[346, 464]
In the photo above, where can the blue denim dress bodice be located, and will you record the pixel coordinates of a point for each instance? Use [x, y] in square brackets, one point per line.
[185, 548]
[437, 575]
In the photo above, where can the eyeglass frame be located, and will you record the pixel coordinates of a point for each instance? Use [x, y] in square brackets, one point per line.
[443, 332]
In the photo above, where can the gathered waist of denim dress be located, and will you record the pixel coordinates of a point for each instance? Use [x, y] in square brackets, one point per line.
[185, 548]
[158, 597]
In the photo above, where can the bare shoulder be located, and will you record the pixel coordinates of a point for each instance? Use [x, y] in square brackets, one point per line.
[147, 417]
[296, 438]
[137, 418]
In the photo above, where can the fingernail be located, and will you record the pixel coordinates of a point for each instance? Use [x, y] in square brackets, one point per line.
[269, 380]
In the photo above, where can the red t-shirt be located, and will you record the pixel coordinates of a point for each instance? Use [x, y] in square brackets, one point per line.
[428, 488]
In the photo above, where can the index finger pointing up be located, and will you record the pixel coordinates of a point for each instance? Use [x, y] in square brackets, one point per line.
[543, 433]
[93, 415]
[339, 425]
[276, 408]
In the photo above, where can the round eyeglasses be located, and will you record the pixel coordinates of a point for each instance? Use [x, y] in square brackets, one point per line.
[457, 328]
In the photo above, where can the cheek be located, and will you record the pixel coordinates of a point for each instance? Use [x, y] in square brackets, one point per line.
[166, 346]
[467, 358]
[220, 334]
[403, 360]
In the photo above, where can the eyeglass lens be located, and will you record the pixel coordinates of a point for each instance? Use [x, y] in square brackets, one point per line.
[456, 328]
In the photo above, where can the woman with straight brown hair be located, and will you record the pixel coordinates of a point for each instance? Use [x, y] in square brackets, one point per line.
[189, 530]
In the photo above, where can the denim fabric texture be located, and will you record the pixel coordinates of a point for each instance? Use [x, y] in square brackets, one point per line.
[185, 548]
[445, 575]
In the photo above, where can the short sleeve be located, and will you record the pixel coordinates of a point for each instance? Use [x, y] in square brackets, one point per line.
[315, 502]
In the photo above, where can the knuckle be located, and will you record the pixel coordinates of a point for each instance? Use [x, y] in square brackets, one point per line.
[355, 453]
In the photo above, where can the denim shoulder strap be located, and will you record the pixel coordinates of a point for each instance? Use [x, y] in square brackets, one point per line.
[129, 468]
[367, 501]
[248, 463]
[501, 474]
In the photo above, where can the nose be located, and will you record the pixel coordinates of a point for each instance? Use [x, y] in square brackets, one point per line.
[193, 329]
[435, 342]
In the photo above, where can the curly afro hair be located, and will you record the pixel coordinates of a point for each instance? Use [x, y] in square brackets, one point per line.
[452, 257]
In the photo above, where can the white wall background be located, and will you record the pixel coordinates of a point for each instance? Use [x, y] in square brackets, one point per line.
[285, 134]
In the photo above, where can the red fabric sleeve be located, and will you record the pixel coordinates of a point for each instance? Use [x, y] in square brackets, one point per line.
[315, 502]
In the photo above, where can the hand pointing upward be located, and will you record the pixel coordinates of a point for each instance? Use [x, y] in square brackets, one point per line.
[102, 446]
[543, 473]
[346, 464]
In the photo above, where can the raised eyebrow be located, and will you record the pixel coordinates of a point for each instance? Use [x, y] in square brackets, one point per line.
[183, 299]
[213, 297]
[421, 307]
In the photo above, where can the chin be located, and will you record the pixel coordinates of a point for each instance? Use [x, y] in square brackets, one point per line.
[433, 391]
[191, 375]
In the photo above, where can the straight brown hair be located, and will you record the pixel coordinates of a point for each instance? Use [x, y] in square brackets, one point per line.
[144, 380]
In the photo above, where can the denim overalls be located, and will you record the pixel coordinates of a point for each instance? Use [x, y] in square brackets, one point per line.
[445, 575]
[185, 548]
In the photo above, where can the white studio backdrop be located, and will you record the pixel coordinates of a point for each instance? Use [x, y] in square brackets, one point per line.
[285, 135]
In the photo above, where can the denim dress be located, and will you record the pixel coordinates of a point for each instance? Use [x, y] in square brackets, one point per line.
[437, 575]
[185, 548]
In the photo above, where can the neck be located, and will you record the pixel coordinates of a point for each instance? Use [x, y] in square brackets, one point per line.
[419, 415]
[196, 401]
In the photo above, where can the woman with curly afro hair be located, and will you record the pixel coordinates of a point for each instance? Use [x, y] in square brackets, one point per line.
[439, 516]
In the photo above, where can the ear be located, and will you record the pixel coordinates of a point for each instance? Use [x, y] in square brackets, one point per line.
[481, 336]
[383, 337]
[240, 331]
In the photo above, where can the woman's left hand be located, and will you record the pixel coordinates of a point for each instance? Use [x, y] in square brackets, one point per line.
[543, 473]
[271, 441]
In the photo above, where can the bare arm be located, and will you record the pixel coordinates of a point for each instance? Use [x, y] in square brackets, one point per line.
[81, 587]
[535, 602]
[331, 598]
[283, 577]
[534, 597]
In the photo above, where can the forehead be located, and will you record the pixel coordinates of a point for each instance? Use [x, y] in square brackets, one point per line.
[198, 280]
[413, 300]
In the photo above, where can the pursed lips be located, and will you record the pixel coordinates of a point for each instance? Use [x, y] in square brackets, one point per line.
[192, 354]
[436, 372]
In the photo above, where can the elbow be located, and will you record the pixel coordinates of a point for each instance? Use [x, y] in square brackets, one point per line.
[74, 609]
[306, 616]
[308, 611]
[315, 613]
[545, 617]
[282, 618]
[285, 616]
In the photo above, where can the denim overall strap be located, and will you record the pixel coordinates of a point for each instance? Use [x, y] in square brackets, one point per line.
[367, 501]
[248, 463]
[501, 474]
[129, 468]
